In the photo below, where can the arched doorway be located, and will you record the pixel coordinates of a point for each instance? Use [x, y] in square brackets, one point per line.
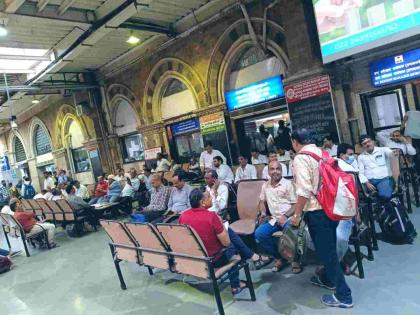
[126, 123]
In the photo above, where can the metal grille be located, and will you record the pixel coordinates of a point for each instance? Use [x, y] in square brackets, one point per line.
[19, 151]
[249, 57]
[42, 142]
[175, 86]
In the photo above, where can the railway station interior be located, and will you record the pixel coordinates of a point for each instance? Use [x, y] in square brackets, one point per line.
[153, 152]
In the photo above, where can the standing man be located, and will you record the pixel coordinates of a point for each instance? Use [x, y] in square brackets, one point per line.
[396, 141]
[245, 170]
[375, 168]
[257, 157]
[48, 181]
[321, 228]
[224, 172]
[218, 191]
[207, 156]
[163, 165]
[4, 193]
[282, 140]
[330, 146]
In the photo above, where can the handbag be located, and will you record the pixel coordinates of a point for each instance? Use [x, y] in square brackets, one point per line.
[292, 244]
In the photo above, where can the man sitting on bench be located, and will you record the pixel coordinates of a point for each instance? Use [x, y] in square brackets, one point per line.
[220, 243]
[280, 197]
[30, 224]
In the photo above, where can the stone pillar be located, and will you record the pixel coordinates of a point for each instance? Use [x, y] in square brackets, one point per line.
[36, 177]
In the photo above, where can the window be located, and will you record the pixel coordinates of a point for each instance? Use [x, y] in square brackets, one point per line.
[19, 150]
[249, 57]
[81, 160]
[42, 142]
[132, 148]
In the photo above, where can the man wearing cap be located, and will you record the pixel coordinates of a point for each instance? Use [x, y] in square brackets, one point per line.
[375, 168]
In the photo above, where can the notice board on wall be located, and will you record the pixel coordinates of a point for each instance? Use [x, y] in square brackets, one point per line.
[311, 106]
[213, 128]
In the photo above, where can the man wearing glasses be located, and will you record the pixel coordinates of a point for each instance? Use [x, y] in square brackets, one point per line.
[375, 168]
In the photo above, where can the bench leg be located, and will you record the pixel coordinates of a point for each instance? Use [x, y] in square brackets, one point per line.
[372, 227]
[359, 259]
[117, 267]
[249, 282]
[370, 256]
[216, 291]
[25, 245]
[150, 270]
[7, 238]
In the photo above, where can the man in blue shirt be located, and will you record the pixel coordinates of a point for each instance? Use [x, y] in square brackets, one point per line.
[114, 191]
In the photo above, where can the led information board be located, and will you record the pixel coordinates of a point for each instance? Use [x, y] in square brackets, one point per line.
[347, 27]
[255, 93]
[396, 68]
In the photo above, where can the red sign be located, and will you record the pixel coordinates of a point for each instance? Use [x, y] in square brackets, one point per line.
[308, 88]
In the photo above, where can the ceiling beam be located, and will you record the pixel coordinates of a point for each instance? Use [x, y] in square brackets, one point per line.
[13, 5]
[23, 57]
[152, 28]
[64, 6]
[42, 4]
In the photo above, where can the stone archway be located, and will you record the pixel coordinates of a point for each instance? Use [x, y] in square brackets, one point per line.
[164, 70]
[14, 134]
[235, 39]
[64, 115]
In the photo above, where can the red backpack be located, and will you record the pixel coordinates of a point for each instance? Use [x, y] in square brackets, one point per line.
[337, 192]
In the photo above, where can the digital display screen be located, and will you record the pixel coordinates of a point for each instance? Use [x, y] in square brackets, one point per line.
[397, 68]
[255, 93]
[347, 27]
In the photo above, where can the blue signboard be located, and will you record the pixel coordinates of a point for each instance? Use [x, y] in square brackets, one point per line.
[4, 164]
[255, 93]
[397, 68]
[185, 126]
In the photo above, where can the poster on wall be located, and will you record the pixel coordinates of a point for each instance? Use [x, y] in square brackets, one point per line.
[150, 156]
[347, 27]
[310, 106]
[213, 128]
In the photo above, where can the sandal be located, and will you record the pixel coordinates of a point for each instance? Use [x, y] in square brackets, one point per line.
[242, 285]
[261, 262]
[279, 266]
[296, 268]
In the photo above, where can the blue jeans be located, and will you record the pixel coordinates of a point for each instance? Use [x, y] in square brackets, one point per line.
[343, 234]
[94, 200]
[236, 246]
[384, 186]
[109, 199]
[4, 252]
[323, 232]
[263, 236]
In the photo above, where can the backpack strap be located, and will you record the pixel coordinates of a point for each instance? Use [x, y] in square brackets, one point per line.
[325, 155]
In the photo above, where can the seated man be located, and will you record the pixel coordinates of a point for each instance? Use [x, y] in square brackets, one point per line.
[396, 141]
[81, 207]
[158, 199]
[218, 191]
[272, 156]
[215, 237]
[224, 172]
[257, 157]
[346, 158]
[135, 181]
[279, 194]
[245, 170]
[114, 191]
[81, 191]
[30, 224]
[100, 190]
[179, 199]
[162, 164]
[375, 168]
[44, 194]
[330, 146]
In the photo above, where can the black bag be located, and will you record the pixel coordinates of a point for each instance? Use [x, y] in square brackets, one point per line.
[74, 229]
[395, 224]
[5, 264]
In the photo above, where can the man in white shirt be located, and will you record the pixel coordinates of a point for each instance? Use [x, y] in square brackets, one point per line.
[207, 156]
[224, 172]
[272, 156]
[44, 194]
[163, 165]
[120, 175]
[218, 191]
[346, 158]
[245, 171]
[81, 190]
[330, 146]
[258, 158]
[375, 168]
[396, 141]
[48, 182]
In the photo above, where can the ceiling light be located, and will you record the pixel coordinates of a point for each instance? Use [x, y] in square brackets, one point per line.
[35, 101]
[133, 40]
[3, 30]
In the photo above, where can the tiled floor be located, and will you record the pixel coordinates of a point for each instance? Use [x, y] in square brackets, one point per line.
[79, 278]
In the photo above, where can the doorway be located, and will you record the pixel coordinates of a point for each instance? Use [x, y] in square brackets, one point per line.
[384, 110]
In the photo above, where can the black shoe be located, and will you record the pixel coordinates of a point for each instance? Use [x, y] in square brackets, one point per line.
[315, 280]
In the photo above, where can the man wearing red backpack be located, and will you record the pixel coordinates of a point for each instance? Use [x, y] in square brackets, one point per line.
[306, 170]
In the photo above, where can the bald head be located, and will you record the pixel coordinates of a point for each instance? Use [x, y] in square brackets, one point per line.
[274, 171]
